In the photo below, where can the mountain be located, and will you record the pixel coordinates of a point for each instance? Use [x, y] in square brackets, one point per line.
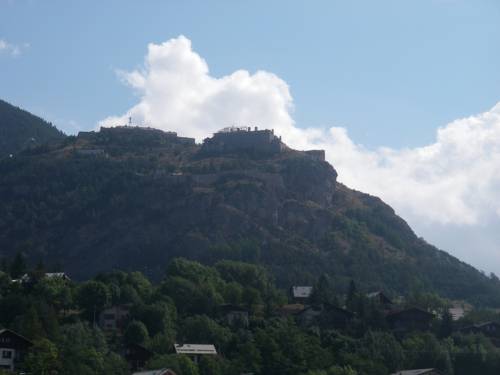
[20, 129]
[134, 198]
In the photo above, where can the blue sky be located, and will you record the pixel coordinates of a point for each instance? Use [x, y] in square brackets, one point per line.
[403, 95]
[389, 71]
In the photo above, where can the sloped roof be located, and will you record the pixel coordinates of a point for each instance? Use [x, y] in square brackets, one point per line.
[6, 330]
[62, 275]
[163, 371]
[195, 349]
[381, 295]
[397, 313]
[416, 372]
[301, 291]
[291, 309]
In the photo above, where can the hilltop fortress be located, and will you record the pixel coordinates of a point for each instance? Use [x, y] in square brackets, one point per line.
[230, 140]
[234, 139]
[244, 139]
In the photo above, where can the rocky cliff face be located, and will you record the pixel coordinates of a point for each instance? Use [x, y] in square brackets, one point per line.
[136, 208]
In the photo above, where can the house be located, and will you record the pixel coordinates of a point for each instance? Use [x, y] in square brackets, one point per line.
[380, 298]
[335, 317]
[13, 348]
[58, 275]
[26, 278]
[290, 309]
[301, 294]
[425, 371]
[325, 315]
[409, 319]
[309, 315]
[489, 329]
[136, 356]
[163, 371]
[456, 312]
[114, 318]
[195, 351]
[234, 315]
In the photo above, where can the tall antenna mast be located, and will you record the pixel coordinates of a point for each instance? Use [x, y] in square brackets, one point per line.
[130, 121]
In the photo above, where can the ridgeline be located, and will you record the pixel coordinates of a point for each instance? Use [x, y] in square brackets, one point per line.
[134, 198]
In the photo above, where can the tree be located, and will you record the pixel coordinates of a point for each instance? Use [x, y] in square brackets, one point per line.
[43, 358]
[136, 333]
[83, 349]
[18, 267]
[93, 297]
[446, 324]
[156, 317]
[351, 296]
[204, 330]
[115, 365]
[30, 324]
[323, 291]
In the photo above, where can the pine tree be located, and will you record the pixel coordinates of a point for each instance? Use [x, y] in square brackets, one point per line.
[18, 266]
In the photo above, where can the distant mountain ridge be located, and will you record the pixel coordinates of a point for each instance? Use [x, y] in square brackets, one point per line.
[100, 201]
[20, 129]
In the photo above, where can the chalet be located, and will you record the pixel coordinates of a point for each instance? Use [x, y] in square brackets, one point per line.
[195, 351]
[13, 348]
[456, 312]
[26, 278]
[309, 315]
[163, 371]
[290, 309]
[136, 356]
[425, 371]
[489, 329]
[409, 320]
[234, 315]
[58, 275]
[114, 318]
[380, 298]
[301, 294]
[336, 317]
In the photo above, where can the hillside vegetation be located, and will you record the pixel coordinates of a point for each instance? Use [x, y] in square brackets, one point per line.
[20, 129]
[99, 202]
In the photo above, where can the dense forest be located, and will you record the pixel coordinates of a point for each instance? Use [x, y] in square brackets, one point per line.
[20, 130]
[186, 306]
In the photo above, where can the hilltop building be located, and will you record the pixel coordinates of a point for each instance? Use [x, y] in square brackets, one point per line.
[254, 141]
[134, 135]
[238, 139]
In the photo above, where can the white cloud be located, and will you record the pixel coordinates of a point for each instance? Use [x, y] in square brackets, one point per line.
[12, 49]
[455, 180]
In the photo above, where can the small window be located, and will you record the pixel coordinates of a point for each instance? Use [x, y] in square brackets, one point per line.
[6, 354]
[109, 316]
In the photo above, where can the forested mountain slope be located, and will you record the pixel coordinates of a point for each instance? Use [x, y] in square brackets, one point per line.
[20, 129]
[104, 200]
